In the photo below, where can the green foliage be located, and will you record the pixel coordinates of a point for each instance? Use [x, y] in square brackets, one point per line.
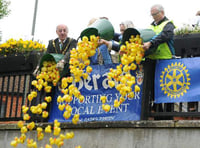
[4, 11]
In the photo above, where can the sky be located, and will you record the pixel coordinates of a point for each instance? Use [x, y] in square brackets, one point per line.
[77, 13]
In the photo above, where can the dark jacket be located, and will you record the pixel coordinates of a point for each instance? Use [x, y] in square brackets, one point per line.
[68, 45]
[54, 47]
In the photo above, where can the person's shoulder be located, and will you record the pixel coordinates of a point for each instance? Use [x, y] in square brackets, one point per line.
[72, 39]
[116, 37]
[170, 23]
[53, 40]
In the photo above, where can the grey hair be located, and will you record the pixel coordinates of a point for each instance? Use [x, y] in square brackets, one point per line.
[158, 7]
[127, 24]
[198, 13]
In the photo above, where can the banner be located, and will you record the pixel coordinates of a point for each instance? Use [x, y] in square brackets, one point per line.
[93, 88]
[177, 80]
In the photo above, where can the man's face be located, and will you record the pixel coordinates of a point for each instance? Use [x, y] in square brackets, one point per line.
[122, 28]
[157, 15]
[62, 32]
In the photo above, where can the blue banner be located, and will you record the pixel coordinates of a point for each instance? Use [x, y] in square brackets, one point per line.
[177, 80]
[93, 88]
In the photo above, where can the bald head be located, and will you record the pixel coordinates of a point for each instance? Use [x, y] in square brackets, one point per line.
[62, 31]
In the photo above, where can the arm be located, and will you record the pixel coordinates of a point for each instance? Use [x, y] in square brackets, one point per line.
[50, 47]
[110, 44]
[164, 36]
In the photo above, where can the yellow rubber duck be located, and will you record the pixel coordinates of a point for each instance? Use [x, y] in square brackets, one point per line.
[116, 103]
[103, 99]
[67, 115]
[64, 83]
[14, 143]
[22, 138]
[106, 107]
[47, 89]
[24, 129]
[67, 98]
[31, 125]
[26, 117]
[61, 107]
[111, 83]
[69, 135]
[48, 129]
[75, 119]
[20, 124]
[81, 98]
[44, 105]
[45, 114]
[24, 109]
[137, 88]
[48, 99]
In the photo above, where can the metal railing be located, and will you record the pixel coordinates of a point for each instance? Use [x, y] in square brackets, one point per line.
[185, 48]
[14, 88]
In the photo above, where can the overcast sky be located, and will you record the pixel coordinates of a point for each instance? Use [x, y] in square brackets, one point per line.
[76, 14]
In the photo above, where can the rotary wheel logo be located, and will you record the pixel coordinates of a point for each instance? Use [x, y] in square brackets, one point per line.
[174, 80]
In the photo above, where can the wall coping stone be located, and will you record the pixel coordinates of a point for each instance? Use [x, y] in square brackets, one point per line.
[116, 124]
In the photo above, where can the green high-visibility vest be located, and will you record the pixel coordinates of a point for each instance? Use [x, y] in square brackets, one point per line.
[163, 50]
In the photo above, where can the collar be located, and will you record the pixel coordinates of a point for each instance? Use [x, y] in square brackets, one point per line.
[63, 41]
[155, 24]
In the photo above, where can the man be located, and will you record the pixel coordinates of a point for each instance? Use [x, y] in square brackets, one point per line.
[161, 46]
[62, 45]
[163, 41]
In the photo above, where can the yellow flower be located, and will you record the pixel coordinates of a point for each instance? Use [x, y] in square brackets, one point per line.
[13, 46]
[24, 46]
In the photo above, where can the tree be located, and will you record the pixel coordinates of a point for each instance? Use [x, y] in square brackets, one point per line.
[4, 11]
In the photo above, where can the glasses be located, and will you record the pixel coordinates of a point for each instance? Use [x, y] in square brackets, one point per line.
[154, 14]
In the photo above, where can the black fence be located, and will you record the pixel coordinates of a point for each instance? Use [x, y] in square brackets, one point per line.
[170, 111]
[15, 84]
[14, 89]
[186, 46]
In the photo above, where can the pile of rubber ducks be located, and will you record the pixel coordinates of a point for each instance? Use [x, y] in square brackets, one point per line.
[49, 74]
[57, 140]
[121, 77]
[79, 68]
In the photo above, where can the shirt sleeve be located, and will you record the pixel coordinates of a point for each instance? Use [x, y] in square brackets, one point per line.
[164, 36]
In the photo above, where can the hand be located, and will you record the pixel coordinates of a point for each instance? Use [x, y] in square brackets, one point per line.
[102, 41]
[60, 65]
[121, 53]
[146, 45]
